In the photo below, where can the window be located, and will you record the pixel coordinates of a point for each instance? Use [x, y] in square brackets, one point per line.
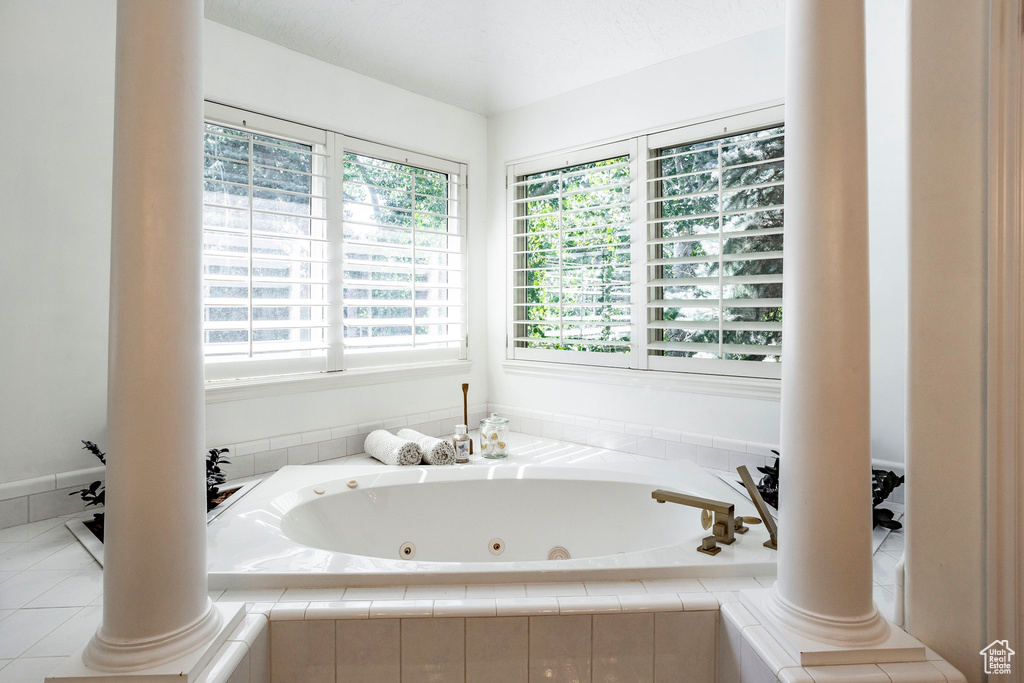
[715, 211]
[264, 247]
[691, 282]
[322, 252]
[403, 258]
[572, 258]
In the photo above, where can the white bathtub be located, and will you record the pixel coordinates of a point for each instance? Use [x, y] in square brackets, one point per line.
[285, 533]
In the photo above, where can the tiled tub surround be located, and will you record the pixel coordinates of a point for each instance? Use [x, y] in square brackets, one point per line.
[51, 605]
[306, 527]
[29, 500]
[651, 637]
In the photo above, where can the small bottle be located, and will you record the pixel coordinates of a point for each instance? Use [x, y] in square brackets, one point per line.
[461, 442]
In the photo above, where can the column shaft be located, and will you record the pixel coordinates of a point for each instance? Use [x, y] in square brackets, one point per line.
[824, 578]
[155, 606]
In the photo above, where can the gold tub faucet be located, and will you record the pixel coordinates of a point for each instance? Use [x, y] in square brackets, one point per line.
[724, 523]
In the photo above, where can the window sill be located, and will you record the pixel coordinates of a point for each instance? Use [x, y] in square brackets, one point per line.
[219, 391]
[718, 385]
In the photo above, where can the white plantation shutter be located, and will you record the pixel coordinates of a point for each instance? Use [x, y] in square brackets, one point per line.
[715, 218]
[323, 252]
[403, 255]
[571, 241]
[265, 252]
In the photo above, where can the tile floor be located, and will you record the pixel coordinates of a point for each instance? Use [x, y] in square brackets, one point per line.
[51, 589]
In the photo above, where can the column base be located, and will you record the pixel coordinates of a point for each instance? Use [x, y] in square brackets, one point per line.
[814, 640]
[225, 616]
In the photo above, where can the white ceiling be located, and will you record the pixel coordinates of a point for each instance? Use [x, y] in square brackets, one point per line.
[490, 56]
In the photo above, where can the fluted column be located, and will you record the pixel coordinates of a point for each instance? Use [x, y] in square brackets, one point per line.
[155, 604]
[824, 582]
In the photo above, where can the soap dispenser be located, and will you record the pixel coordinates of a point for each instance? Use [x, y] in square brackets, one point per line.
[461, 441]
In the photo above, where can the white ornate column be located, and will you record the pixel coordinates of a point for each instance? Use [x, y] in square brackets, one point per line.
[822, 605]
[155, 605]
[824, 584]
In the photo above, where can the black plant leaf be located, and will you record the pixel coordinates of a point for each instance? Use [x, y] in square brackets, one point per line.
[95, 450]
[214, 475]
[95, 493]
[883, 484]
[769, 484]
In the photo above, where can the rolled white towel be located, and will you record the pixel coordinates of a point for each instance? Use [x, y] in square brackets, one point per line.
[392, 450]
[435, 451]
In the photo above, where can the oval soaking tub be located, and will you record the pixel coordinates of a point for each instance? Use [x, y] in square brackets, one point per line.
[335, 525]
[488, 520]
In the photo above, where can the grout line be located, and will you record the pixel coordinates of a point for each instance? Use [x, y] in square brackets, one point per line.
[591, 647]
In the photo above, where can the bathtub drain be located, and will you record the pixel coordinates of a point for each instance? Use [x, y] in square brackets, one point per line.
[558, 553]
[496, 546]
[406, 551]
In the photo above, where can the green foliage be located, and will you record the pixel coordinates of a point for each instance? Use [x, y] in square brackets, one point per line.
[277, 179]
[717, 220]
[401, 249]
[575, 224]
[707, 202]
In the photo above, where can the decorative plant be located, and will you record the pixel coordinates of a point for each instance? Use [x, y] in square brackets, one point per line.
[882, 485]
[769, 484]
[214, 476]
[95, 493]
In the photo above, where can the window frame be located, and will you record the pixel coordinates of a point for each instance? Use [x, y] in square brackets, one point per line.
[400, 156]
[332, 146]
[736, 124]
[515, 171]
[645, 146]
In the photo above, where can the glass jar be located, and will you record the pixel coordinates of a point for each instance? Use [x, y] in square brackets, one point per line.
[494, 436]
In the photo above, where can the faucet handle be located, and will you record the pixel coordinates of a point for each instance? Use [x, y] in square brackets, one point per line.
[709, 546]
[740, 524]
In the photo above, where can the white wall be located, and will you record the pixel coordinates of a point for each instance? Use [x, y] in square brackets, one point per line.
[56, 76]
[739, 74]
[58, 85]
[57, 109]
[946, 329]
[886, 38]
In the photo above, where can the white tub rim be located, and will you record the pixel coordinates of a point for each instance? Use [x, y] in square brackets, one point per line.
[294, 485]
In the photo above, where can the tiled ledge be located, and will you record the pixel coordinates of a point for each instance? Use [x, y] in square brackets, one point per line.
[665, 443]
[653, 441]
[504, 600]
[245, 657]
[749, 653]
[30, 500]
[490, 607]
